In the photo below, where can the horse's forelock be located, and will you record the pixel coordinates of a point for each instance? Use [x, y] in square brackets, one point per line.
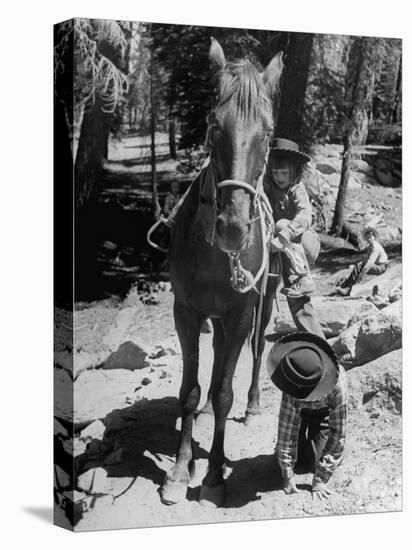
[241, 82]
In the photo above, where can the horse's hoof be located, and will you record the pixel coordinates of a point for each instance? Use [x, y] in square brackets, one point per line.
[252, 419]
[212, 497]
[204, 419]
[172, 493]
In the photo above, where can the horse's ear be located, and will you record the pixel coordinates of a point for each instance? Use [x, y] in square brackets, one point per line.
[272, 73]
[216, 54]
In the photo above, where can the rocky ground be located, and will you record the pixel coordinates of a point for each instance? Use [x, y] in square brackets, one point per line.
[126, 384]
[125, 365]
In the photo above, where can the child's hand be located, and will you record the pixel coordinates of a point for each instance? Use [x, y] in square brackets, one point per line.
[289, 486]
[319, 490]
[276, 244]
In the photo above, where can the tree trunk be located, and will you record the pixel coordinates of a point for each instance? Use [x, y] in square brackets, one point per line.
[364, 77]
[396, 112]
[155, 197]
[295, 79]
[172, 137]
[91, 151]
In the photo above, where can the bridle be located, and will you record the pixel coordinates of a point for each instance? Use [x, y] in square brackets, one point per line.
[242, 280]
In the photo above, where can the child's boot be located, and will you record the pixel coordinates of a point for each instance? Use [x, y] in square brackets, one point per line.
[301, 287]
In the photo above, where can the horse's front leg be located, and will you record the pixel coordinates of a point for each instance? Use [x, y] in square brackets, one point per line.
[205, 417]
[253, 406]
[188, 325]
[236, 328]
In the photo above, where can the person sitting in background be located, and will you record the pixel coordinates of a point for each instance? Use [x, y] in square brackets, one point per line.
[375, 263]
[172, 198]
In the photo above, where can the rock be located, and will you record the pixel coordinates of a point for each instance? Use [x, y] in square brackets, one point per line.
[206, 327]
[326, 151]
[384, 282]
[330, 168]
[362, 166]
[164, 374]
[129, 356]
[59, 429]
[145, 381]
[92, 481]
[377, 385]
[95, 430]
[332, 313]
[167, 347]
[61, 478]
[75, 447]
[370, 337]
[379, 301]
[364, 312]
[113, 458]
[395, 293]
[97, 449]
[165, 286]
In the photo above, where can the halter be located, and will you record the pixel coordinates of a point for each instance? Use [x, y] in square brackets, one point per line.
[241, 279]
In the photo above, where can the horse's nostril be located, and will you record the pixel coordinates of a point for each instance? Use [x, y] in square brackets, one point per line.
[219, 225]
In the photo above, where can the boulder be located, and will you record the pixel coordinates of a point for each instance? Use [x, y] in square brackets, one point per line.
[100, 331]
[92, 481]
[333, 166]
[95, 430]
[368, 337]
[395, 293]
[61, 479]
[362, 166]
[326, 151]
[377, 386]
[59, 429]
[129, 356]
[332, 313]
[385, 283]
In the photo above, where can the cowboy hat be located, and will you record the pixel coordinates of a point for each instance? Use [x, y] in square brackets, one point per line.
[285, 148]
[370, 229]
[303, 365]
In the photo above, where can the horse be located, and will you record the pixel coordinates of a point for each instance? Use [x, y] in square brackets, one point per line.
[218, 248]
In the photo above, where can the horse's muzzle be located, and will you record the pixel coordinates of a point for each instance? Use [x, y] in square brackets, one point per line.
[232, 233]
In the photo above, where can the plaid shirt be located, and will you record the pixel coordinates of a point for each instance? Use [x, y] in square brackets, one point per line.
[289, 424]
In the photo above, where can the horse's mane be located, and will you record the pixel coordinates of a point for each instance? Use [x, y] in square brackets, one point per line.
[241, 82]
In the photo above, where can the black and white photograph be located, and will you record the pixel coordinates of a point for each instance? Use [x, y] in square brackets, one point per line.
[227, 274]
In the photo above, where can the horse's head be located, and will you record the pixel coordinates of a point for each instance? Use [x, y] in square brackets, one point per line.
[240, 126]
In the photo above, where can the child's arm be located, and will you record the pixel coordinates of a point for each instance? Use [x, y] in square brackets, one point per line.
[303, 216]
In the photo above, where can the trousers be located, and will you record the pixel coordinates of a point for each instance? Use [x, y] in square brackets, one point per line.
[358, 273]
[313, 435]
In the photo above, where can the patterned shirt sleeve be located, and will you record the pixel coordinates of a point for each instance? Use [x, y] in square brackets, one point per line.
[303, 216]
[332, 453]
[288, 432]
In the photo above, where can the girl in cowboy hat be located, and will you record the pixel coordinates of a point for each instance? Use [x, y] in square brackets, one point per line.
[312, 416]
[376, 262]
[292, 214]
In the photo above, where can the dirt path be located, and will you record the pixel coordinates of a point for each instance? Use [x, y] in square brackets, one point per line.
[145, 435]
